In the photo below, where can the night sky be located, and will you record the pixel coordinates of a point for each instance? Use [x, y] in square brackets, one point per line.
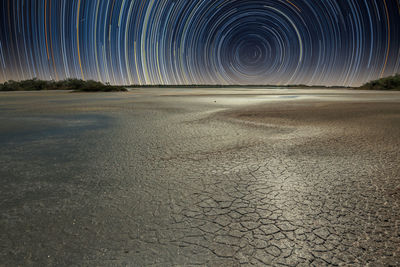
[328, 42]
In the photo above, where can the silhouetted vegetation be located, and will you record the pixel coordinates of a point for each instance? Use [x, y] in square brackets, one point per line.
[388, 83]
[69, 84]
[77, 85]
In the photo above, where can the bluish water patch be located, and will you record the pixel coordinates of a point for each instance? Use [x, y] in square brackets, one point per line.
[26, 129]
[85, 100]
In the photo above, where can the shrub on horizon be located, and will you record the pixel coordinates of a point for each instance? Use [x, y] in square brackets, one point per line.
[68, 84]
[387, 83]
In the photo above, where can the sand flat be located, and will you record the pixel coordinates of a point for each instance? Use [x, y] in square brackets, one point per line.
[207, 177]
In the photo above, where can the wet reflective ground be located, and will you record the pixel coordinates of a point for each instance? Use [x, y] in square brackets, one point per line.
[200, 177]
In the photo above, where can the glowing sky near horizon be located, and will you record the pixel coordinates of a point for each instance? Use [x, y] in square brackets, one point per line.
[329, 42]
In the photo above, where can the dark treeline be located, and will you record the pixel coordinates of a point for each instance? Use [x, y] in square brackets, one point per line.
[68, 84]
[388, 83]
[94, 86]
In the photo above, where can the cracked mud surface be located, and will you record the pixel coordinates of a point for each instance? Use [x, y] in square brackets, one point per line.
[166, 178]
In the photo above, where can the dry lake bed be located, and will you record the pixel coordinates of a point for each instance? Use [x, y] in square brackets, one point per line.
[214, 177]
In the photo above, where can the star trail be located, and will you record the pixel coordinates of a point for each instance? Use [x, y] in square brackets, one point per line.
[329, 42]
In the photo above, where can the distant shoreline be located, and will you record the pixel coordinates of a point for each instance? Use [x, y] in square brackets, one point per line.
[241, 86]
[391, 83]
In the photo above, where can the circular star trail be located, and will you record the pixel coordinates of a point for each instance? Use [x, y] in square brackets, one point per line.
[330, 42]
